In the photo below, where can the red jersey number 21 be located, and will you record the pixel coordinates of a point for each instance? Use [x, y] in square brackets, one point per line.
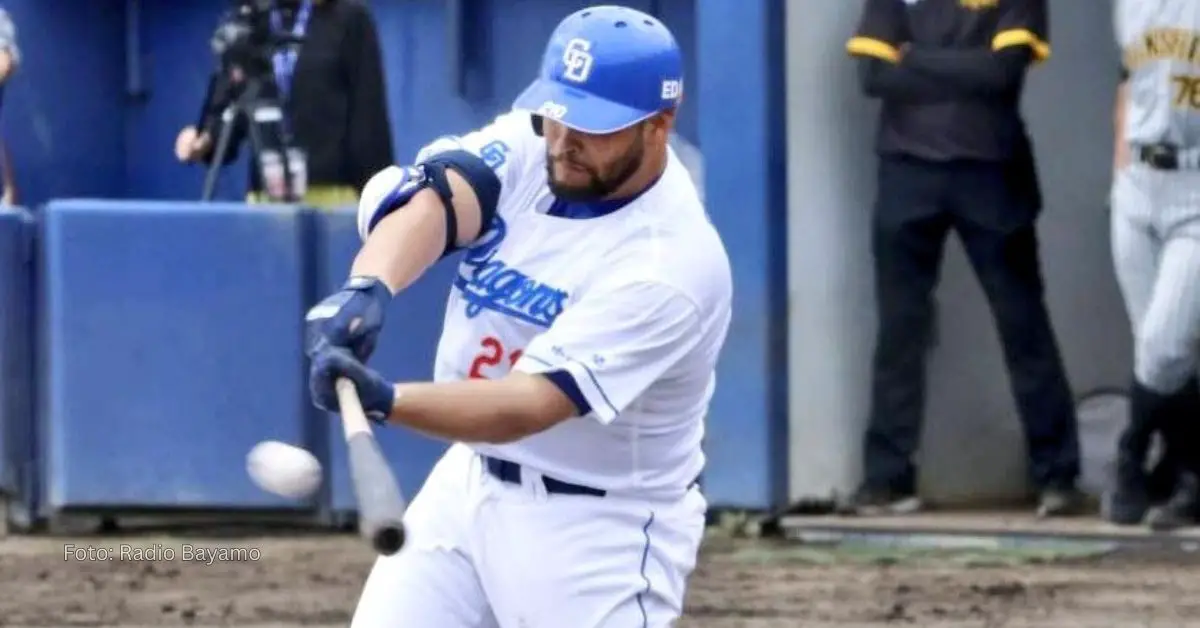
[491, 353]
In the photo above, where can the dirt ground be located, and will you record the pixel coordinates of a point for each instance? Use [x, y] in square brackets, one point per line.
[311, 580]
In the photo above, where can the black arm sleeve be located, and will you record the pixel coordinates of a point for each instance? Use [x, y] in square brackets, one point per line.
[882, 31]
[1021, 38]
[882, 28]
[1023, 24]
[370, 132]
[974, 72]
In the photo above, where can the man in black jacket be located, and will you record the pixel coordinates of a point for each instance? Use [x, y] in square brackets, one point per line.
[954, 155]
[334, 101]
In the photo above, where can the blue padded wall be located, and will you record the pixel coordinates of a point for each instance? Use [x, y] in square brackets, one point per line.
[405, 353]
[739, 47]
[172, 344]
[16, 350]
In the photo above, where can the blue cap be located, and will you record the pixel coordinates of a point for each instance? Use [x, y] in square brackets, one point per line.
[606, 68]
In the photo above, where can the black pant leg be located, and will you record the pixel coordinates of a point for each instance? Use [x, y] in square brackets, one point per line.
[908, 237]
[1182, 432]
[1000, 238]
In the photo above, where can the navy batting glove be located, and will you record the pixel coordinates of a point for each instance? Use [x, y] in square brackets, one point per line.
[351, 318]
[374, 391]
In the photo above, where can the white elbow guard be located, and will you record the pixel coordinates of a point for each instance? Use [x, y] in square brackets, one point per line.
[442, 144]
[389, 189]
[395, 185]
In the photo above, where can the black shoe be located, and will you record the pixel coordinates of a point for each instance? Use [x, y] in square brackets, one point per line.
[1128, 502]
[1181, 440]
[872, 502]
[1161, 479]
[1181, 509]
[1129, 499]
[1059, 502]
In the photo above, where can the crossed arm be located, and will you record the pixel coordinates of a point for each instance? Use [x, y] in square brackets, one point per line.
[929, 74]
[892, 66]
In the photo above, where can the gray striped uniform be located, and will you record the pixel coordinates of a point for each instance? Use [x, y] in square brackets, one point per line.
[1156, 213]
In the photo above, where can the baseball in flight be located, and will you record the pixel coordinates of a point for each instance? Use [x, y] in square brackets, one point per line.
[284, 469]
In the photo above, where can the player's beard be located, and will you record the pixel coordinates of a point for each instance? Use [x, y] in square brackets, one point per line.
[598, 186]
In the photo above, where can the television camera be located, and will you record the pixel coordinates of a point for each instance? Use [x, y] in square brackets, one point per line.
[248, 44]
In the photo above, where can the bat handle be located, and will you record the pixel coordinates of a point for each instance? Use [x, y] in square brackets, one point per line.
[348, 396]
[354, 419]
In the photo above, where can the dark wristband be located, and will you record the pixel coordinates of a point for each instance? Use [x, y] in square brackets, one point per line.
[373, 286]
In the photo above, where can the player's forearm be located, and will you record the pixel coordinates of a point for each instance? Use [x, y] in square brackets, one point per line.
[479, 410]
[405, 243]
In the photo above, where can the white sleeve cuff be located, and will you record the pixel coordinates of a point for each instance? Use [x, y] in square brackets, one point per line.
[585, 379]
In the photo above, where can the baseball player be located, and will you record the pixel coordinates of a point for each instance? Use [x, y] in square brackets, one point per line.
[1156, 247]
[577, 356]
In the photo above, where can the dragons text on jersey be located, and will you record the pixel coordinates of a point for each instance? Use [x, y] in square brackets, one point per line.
[488, 283]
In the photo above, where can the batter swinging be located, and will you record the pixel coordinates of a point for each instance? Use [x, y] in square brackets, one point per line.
[577, 357]
[1156, 246]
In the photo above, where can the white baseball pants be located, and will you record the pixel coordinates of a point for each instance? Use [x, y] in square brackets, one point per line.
[1156, 251]
[482, 553]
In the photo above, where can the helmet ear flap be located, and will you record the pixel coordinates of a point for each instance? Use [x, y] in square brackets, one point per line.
[536, 121]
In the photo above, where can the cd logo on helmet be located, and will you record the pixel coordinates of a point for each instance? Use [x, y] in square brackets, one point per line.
[577, 61]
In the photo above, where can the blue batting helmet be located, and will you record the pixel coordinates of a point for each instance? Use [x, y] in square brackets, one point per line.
[606, 68]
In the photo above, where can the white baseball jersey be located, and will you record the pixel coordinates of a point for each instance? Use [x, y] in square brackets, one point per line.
[1160, 47]
[633, 303]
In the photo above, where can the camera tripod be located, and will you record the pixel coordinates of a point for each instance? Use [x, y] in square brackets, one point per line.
[281, 167]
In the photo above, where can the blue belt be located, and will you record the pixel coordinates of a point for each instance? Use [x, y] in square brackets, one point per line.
[510, 472]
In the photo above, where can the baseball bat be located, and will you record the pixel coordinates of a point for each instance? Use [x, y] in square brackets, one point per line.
[380, 503]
